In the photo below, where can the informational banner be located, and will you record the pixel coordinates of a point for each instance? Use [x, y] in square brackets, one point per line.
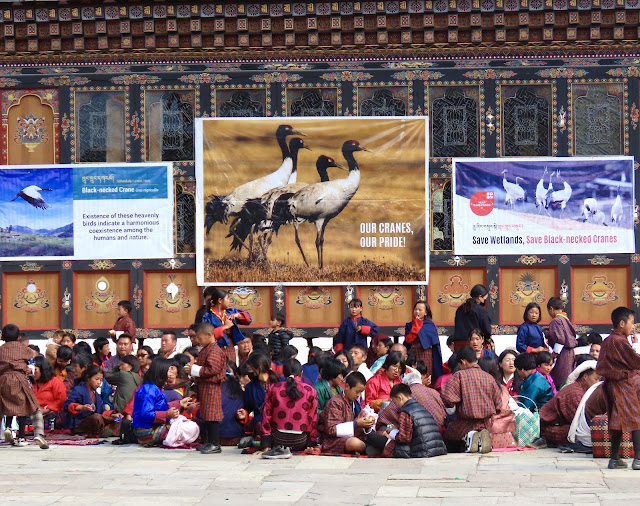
[513, 206]
[311, 200]
[86, 212]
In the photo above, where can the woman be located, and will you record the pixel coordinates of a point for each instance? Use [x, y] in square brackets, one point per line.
[178, 383]
[471, 315]
[102, 352]
[503, 424]
[379, 387]
[262, 377]
[49, 389]
[151, 411]
[507, 372]
[476, 341]
[145, 355]
[422, 339]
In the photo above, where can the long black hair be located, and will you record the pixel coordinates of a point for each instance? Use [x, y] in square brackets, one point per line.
[46, 370]
[490, 366]
[516, 382]
[91, 371]
[260, 363]
[233, 388]
[291, 368]
[157, 373]
[217, 294]
[477, 291]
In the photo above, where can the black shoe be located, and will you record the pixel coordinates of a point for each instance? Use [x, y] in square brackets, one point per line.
[245, 442]
[617, 464]
[211, 448]
[538, 444]
[200, 447]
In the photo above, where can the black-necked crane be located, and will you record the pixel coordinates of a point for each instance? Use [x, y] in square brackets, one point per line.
[253, 210]
[557, 199]
[590, 208]
[319, 203]
[617, 209]
[514, 191]
[32, 195]
[219, 208]
[541, 192]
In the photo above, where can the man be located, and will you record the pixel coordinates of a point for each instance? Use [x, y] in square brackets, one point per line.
[206, 294]
[245, 348]
[359, 355]
[557, 414]
[124, 347]
[169, 344]
[192, 333]
[476, 397]
[124, 323]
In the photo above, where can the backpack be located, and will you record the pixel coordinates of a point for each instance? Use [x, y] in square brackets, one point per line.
[127, 435]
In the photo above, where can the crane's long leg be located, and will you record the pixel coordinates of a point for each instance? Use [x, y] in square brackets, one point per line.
[295, 226]
[320, 242]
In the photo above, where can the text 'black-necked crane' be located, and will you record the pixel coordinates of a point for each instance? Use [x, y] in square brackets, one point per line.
[319, 203]
[32, 195]
[219, 208]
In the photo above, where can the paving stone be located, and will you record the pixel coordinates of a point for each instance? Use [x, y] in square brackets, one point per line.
[397, 491]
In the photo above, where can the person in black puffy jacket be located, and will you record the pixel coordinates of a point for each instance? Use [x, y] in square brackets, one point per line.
[418, 435]
[278, 337]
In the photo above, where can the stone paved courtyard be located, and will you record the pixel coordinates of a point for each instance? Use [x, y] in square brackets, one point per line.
[129, 475]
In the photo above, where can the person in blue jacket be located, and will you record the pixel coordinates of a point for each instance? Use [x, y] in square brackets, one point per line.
[355, 328]
[225, 321]
[151, 411]
[535, 390]
[422, 339]
[530, 337]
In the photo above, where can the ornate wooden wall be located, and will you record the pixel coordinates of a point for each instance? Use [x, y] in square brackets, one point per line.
[124, 82]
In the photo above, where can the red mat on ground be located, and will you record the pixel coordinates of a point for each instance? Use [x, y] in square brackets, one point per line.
[250, 451]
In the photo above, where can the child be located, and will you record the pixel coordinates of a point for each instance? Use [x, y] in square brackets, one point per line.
[286, 353]
[224, 319]
[209, 373]
[530, 337]
[16, 396]
[596, 342]
[49, 390]
[278, 337]
[262, 377]
[535, 391]
[53, 345]
[69, 339]
[503, 423]
[151, 412]
[619, 365]
[382, 350]
[544, 361]
[343, 427]
[421, 337]
[102, 352]
[477, 342]
[234, 414]
[418, 434]
[124, 324]
[290, 419]
[594, 350]
[85, 413]
[507, 372]
[562, 338]
[333, 372]
[126, 379]
[62, 362]
[355, 328]
[310, 369]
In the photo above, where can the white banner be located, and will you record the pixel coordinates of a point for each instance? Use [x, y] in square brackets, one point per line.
[514, 206]
[86, 212]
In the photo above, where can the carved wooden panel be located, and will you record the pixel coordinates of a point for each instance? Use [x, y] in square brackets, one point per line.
[255, 300]
[386, 304]
[596, 291]
[171, 298]
[100, 126]
[521, 285]
[449, 288]
[314, 306]
[169, 125]
[96, 296]
[31, 300]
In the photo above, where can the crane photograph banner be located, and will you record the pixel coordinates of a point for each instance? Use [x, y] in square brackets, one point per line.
[514, 206]
[311, 200]
[86, 212]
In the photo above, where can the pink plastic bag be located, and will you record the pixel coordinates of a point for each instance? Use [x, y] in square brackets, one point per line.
[181, 432]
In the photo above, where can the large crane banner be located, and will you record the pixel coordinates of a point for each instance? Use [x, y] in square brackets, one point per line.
[515, 206]
[311, 200]
[86, 212]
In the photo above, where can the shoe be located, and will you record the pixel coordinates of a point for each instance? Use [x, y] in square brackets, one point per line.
[8, 436]
[580, 448]
[617, 464]
[202, 446]
[40, 441]
[635, 465]
[211, 448]
[538, 444]
[245, 442]
[20, 442]
[485, 442]
[278, 452]
[472, 442]
[565, 449]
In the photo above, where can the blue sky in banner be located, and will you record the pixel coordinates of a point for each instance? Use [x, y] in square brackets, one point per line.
[22, 213]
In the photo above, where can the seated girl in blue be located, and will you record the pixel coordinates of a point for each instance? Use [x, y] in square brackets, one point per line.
[530, 337]
[151, 411]
[224, 319]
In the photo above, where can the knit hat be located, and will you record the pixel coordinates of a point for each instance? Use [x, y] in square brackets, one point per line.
[585, 366]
